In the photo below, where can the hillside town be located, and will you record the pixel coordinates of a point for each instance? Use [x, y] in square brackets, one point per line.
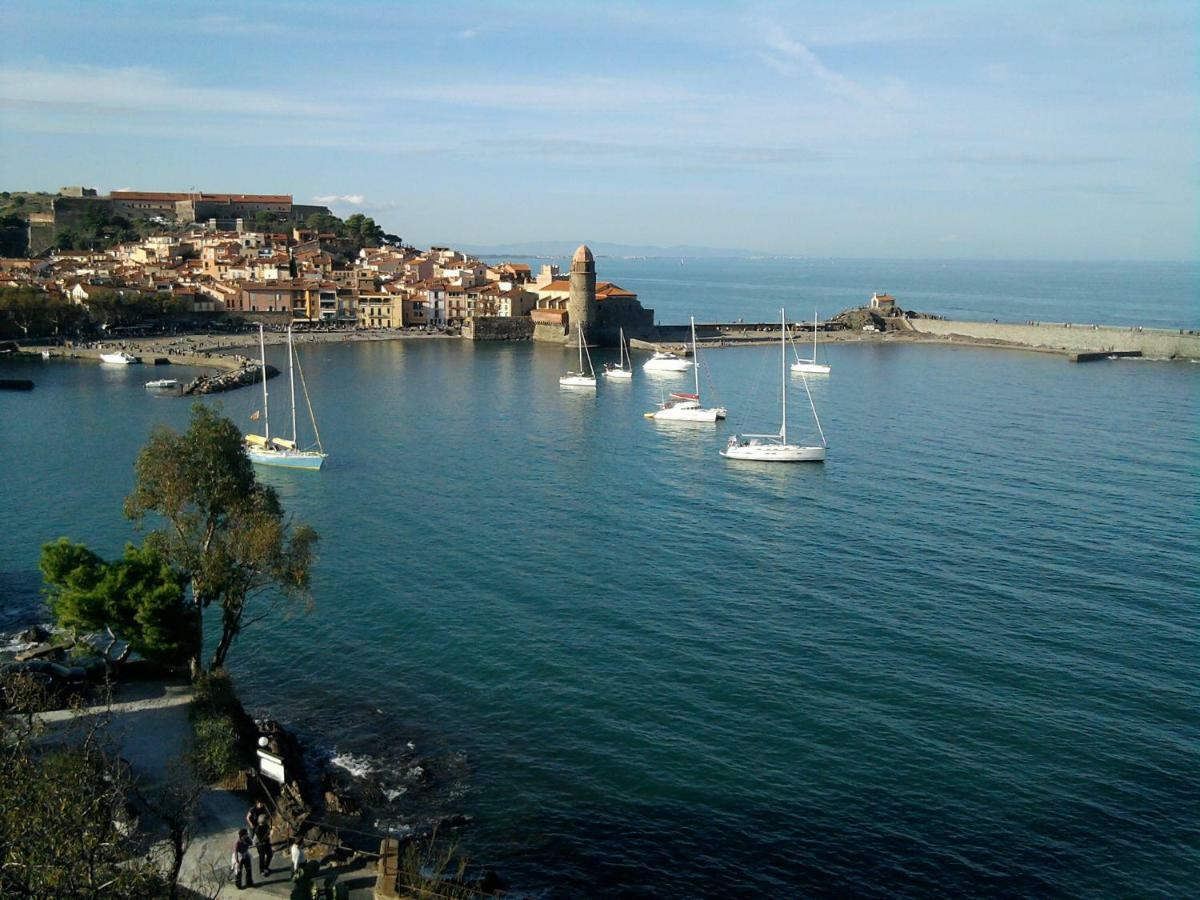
[263, 258]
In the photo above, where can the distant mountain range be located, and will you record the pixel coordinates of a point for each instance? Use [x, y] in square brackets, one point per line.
[556, 249]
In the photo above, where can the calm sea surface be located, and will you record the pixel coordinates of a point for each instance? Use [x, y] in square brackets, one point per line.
[961, 657]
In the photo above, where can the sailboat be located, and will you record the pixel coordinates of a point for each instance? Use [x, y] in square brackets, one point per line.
[810, 366]
[276, 451]
[682, 407]
[775, 447]
[584, 378]
[624, 368]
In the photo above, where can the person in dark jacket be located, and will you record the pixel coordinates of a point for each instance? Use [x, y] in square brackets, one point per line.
[262, 843]
[241, 860]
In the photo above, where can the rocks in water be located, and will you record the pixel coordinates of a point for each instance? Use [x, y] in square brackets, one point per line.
[34, 634]
[228, 381]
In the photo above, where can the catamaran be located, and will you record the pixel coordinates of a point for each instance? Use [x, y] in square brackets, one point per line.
[624, 367]
[775, 447]
[683, 407]
[276, 451]
[810, 366]
[584, 378]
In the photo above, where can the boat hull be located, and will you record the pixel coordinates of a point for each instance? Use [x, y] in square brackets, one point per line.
[790, 453]
[810, 368]
[686, 413]
[286, 459]
[666, 365]
[118, 359]
[618, 374]
[577, 381]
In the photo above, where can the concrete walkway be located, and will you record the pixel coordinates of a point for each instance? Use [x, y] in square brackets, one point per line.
[148, 724]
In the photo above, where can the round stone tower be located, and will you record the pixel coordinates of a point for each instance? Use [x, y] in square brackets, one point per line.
[581, 306]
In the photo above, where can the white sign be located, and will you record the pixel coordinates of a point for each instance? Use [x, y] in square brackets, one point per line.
[271, 765]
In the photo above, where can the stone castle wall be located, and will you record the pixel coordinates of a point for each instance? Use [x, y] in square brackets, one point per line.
[499, 328]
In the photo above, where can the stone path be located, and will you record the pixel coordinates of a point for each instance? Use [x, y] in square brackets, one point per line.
[150, 728]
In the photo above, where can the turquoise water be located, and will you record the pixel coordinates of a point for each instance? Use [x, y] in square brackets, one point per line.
[960, 657]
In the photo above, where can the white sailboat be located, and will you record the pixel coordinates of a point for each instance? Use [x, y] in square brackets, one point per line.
[810, 366]
[269, 451]
[584, 378]
[681, 407]
[623, 370]
[775, 447]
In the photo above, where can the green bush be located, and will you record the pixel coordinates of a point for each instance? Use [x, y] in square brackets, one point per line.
[216, 753]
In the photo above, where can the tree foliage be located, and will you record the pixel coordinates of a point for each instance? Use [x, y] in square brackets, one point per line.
[64, 824]
[138, 599]
[225, 532]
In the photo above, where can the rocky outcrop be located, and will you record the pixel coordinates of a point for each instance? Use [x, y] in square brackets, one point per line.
[228, 381]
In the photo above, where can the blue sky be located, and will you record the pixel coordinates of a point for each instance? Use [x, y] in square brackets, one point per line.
[954, 129]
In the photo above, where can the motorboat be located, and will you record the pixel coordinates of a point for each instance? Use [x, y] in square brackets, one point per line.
[775, 447]
[162, 384]
[120, 358]
[666, 361]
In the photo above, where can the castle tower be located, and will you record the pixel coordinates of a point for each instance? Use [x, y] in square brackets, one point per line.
[581, 306]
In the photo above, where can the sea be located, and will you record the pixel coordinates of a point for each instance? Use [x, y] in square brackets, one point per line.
[961, 657]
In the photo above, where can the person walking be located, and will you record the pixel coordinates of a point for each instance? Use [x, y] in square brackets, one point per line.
[241, 860]
[252, 814]
[297, 854]
[262, 843]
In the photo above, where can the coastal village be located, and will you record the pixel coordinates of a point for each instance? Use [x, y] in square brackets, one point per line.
[257, 257]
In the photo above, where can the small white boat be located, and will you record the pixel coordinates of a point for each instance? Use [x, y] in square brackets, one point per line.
[269, 451]
[666, 361]
[45, 354]
[775, 447]
[810, 366]
[120, 358]
[584, 378]
[162, 384]
[681, 407]
[623, 370]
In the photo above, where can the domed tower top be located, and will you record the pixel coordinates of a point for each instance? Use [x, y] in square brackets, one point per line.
[583, 255]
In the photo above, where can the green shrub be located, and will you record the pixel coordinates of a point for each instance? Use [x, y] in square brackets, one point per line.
[216, 753]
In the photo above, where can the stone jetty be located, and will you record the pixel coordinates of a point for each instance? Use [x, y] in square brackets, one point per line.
[228, 381]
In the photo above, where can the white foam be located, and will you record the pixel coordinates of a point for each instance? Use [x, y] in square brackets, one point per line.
[358, 766]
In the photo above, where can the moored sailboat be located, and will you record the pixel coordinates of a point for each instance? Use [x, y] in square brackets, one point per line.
[682, 407]
[775, 447]
[276, 451]
[584, 378]
[623, 370]
[810, 366]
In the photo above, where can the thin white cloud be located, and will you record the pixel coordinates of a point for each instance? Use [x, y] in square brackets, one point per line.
[790, 54]
[581, 94]
[139, 90]
[469, 34]
[344, 199]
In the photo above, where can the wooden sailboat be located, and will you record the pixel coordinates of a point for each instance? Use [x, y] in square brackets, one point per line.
[277, 451]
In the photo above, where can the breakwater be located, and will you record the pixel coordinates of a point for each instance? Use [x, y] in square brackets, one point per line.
[1067, 338]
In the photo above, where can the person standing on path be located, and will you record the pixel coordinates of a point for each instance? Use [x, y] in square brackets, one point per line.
[297, 854]
[262, 842]
[252, 814]
[241, 860]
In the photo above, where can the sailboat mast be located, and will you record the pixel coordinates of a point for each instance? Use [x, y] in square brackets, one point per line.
[580, 349]
[292, 383]
[262, 355]
[695, 357]
[783, 373]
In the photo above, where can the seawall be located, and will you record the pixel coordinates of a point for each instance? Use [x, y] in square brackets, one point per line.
[1153, 343]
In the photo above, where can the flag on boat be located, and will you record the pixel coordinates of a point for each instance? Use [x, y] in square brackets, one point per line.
[254, 416]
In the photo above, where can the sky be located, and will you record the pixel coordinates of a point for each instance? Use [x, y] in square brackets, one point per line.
[998, 130]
